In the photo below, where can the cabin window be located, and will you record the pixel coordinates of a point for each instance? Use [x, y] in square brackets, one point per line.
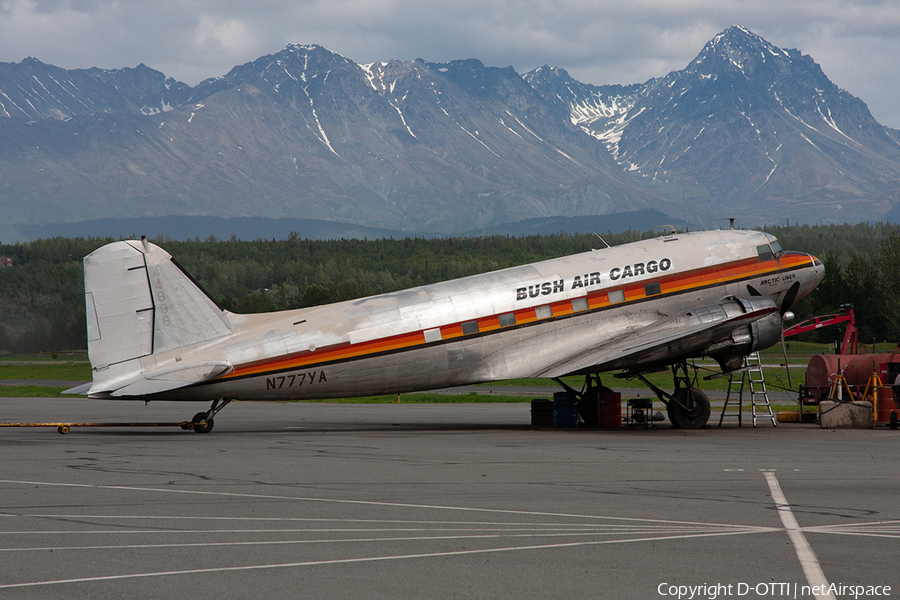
[507, 320]
[433, 335]
[579, 304]
[616, 296]
[765, 253]
[543, 312]
[470, 327]
[651, 289]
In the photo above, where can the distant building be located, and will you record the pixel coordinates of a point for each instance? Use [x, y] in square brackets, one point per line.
[6, 261]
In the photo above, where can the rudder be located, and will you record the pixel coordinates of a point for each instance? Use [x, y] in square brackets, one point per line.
[140, 302]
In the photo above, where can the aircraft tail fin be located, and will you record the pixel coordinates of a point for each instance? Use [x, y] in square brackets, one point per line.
[140, 302]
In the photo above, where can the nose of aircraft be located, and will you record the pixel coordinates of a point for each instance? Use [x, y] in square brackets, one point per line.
[818, 271]
[809, 277]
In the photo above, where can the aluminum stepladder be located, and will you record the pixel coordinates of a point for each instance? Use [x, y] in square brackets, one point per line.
[752, 376]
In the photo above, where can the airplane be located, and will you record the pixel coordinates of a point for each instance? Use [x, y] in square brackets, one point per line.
[154, 333]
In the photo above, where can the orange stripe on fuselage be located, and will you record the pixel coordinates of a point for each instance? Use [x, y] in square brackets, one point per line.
[331, 354]
[698, 278]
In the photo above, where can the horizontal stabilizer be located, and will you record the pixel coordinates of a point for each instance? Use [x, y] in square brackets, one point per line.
[163, 380]
[80, 390]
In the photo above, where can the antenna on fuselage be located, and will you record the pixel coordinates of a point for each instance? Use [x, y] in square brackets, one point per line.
[602, 240]
[671, 229]
[730, 221]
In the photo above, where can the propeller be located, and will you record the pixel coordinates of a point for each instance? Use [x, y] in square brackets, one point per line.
[789, 298]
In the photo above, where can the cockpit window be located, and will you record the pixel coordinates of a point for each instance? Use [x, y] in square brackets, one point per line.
[776, 247]
[765, 253]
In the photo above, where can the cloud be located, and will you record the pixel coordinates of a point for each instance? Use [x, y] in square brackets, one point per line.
[216, 38]
[598, 42]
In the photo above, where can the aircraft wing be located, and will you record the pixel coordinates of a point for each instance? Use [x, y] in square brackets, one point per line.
[734, 325]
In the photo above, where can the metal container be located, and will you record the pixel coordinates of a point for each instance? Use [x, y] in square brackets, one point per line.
[857, 369]
[886, 405]
[542, 412]
[565, 409]
[610, 409]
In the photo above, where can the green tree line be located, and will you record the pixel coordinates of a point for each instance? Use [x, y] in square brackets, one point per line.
[42, 295]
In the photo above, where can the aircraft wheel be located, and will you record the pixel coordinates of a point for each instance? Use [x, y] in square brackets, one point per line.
[690, 413]
[199, 427]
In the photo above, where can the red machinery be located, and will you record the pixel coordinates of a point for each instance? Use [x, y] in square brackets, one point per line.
[859, 370]
[848, 344]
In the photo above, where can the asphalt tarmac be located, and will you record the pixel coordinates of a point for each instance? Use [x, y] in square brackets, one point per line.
[287, 500]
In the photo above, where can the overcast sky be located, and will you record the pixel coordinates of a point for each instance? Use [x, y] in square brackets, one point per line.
[857, 42]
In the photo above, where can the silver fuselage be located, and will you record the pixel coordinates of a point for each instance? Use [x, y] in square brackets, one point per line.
[545, 319]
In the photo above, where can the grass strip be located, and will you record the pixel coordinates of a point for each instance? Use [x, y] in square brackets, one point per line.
[30, 391]
[60, 371]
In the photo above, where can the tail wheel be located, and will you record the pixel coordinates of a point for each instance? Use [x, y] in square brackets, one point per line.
[201, 423]
[689, 411]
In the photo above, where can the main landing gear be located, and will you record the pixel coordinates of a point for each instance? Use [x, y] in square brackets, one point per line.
[687, 406]
[203, 421]
[588, 398]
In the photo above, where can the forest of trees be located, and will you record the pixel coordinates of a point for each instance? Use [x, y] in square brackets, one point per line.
[42, 295]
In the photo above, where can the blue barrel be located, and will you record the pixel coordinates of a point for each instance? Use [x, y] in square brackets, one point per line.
[565, 409]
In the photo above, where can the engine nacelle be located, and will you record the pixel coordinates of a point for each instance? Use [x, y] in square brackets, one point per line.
[758, 335]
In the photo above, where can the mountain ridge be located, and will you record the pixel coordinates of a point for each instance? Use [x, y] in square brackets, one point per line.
[744, 129]
[662, 120]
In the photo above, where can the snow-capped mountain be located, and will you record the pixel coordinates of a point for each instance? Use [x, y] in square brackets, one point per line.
[747, 129]
[34, 90]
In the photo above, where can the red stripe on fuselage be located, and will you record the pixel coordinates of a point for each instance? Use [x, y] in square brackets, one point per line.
[596, 300]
